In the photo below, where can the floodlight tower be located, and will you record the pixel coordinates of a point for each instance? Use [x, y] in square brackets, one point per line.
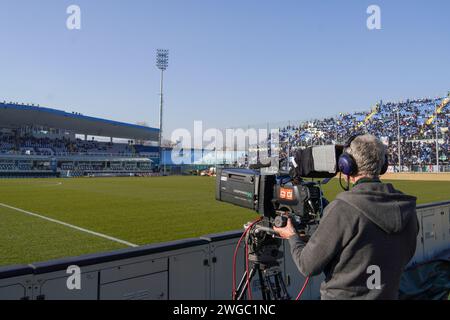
[436, 124]
[399, 146]
[162, 62]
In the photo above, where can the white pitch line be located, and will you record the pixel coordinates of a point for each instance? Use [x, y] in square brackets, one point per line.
[52, 185]
[71, 226]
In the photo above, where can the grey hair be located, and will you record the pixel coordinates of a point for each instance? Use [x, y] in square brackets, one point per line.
[369, 154]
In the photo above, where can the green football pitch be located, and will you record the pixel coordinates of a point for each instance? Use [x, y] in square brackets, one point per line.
[42, 219]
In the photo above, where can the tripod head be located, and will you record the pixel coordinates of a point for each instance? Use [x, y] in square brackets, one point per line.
[264, 254]
[264, 247]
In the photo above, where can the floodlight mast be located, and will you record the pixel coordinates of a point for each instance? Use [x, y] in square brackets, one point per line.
[162, 62]
[399, 146]
[436, 124]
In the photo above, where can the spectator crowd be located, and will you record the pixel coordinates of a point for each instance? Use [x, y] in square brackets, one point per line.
[415, 122]
[29, 145]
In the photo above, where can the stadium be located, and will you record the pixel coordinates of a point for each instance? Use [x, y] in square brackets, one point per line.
[317, 169]
[108, 190]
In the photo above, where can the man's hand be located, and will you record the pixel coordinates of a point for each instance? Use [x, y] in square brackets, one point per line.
[286, 232]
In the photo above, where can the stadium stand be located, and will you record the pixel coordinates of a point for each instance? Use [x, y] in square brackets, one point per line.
[11, 144]
[43, 142]
[418, 121]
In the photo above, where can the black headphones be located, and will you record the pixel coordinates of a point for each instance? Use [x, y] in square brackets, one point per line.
[347, 164]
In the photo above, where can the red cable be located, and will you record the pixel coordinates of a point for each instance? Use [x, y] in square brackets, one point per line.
[303, 288]
[249, 289]
[235, 254]
[234, 262]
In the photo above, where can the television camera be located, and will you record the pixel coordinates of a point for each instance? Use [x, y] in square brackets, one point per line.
[277, 198]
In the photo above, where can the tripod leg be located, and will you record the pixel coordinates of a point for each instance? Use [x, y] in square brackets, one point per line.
[282, 293]
[272, 290]
[276, 286]
[264, 291]
[243, 285]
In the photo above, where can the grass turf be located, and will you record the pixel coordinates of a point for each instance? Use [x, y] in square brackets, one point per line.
[137, 210]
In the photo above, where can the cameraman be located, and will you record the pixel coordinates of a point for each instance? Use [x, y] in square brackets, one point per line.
[372, 228]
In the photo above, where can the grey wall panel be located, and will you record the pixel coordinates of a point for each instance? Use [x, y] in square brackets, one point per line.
[444, 221]
[418, 256]
[16, 282]
[53, 286]
[221, 270]
[15, 291]
[432, 234]
[149, 287]
[132, 270]
[189, 274]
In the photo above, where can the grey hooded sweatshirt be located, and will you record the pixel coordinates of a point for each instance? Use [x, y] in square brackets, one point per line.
[371, 225]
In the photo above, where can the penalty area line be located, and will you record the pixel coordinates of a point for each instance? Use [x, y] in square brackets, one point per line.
[70, 225]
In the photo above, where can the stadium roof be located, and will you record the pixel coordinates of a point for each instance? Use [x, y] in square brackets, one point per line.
[15, 116]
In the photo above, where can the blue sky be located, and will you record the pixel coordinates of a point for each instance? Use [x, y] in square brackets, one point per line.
[232, 63]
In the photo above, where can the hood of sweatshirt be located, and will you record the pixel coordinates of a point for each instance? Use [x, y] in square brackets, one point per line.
[385, 206]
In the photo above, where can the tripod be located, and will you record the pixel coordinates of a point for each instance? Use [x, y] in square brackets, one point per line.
[264, 257]
[271, 282]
